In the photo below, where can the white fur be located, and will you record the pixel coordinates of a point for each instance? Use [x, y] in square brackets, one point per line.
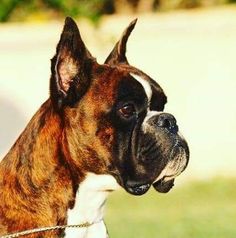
[89, 206]
[146, 85]
[148, 116]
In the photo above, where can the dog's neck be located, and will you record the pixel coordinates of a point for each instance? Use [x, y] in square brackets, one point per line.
[46, 174]
[89, 206]
[35, 168]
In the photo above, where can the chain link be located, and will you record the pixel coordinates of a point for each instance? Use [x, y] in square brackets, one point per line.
[45, 229]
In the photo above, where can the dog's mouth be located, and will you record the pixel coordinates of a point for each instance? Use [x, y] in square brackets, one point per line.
[160, 174]
[178, 163]
[162, 186]
[137, 189]
[165, 180]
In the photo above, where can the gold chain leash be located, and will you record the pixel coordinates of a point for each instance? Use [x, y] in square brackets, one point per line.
[44, 229]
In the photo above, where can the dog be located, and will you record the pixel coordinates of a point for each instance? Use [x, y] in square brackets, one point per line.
[102, 128]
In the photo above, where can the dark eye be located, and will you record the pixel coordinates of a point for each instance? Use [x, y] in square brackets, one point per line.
[128, 110]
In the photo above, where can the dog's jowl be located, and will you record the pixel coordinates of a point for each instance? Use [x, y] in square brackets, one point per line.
[103, 127]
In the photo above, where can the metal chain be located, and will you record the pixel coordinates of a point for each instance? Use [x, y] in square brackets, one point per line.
[44, 229]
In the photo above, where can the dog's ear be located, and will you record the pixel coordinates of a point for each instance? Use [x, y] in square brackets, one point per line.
[118, 54]
[70, 67]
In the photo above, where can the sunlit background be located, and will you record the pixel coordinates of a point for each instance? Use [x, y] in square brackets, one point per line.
[189, 47]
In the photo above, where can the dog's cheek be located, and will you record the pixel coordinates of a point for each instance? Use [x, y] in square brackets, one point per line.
[105, 142]
[105, 135]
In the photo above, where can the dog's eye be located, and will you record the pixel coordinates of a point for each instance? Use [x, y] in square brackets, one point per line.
[128, 110]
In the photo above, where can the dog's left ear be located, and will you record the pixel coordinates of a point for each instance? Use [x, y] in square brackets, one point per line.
[70, 67]
[118, 54]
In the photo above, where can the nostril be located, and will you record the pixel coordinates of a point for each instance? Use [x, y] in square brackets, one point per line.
[167, 121]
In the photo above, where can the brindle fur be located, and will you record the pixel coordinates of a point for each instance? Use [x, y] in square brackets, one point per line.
[40, 174]
[72, 133]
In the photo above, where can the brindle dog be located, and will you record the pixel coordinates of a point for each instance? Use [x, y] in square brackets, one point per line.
[102, 127]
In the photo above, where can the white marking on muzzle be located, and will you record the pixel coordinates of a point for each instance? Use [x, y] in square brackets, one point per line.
[145, 125]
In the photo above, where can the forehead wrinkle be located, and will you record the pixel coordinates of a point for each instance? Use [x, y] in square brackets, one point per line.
[145, 84]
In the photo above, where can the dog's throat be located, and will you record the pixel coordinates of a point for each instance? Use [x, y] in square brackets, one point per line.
[89, 206]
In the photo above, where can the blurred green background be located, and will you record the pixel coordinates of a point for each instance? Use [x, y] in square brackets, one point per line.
[189, 47]
[196, 210]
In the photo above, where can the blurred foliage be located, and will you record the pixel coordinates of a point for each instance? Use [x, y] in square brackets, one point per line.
[6, 8]
[20, 9]
[93, 9]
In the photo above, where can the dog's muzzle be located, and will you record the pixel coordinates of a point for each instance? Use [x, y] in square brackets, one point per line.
[176, 153]
[162, 155]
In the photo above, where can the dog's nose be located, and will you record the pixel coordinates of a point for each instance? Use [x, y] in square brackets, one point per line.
[168, 121]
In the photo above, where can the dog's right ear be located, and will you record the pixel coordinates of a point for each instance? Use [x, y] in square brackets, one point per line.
[70, 67]
[118, 54]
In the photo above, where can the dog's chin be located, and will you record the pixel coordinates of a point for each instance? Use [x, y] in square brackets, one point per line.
[163, 186]
[138, 190]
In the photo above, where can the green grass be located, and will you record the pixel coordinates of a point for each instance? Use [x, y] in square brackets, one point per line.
[193, 210]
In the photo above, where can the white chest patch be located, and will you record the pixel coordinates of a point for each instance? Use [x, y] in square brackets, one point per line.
[89, 206]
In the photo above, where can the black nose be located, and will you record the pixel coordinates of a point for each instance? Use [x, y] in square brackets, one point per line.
[168, 121]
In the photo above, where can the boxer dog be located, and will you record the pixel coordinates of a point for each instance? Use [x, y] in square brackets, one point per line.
[103, 127]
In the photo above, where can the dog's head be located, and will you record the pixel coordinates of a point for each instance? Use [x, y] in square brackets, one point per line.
[113, 116]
